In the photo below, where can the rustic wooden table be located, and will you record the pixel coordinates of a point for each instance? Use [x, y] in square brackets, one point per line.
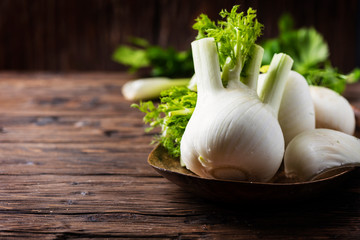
[73, 165]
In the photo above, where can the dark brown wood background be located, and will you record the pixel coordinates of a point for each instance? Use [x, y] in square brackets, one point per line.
[80, 35]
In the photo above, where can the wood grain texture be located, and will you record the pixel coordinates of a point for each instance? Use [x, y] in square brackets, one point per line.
[66, 35]
[73, 166]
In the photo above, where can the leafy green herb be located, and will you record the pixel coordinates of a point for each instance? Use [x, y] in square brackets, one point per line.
[310, 53]
[171, 114]
[164, 62]
[230, 34]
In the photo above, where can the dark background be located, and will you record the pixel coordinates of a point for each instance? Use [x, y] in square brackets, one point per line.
[80, 35]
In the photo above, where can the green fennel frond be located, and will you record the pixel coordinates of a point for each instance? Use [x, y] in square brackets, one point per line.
[236, 30]
[171, 115]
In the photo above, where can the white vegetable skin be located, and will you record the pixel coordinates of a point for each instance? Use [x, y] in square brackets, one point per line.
[231, 134]
[296, 112]
[313, 152]
[149, 88]
[332, 110]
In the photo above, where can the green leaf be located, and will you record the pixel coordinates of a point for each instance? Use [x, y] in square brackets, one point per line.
[170, 63]
[202, 25]
[308, 48]
[353, 76]
[133, 57]
[326, 77]
[171, 115]
[164, 62]
[310, 53]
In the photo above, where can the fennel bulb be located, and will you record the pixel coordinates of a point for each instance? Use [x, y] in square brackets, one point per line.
[332, 110]
[232, 134]
[296, 112]
[149, 88]
[315, 151]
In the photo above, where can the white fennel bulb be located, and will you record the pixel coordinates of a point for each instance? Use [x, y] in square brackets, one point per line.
[315, 151]
[296, 112]
[332, 110]
[232, 134]
[149, 88]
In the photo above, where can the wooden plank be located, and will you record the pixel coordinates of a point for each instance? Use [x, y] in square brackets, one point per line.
[75, 159]
[120, 212]
[70, 169]
[123, 207]
[55, 128]
[53, 96]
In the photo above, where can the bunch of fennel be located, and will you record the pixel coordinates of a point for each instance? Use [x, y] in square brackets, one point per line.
[233, 133]
[239, 129]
